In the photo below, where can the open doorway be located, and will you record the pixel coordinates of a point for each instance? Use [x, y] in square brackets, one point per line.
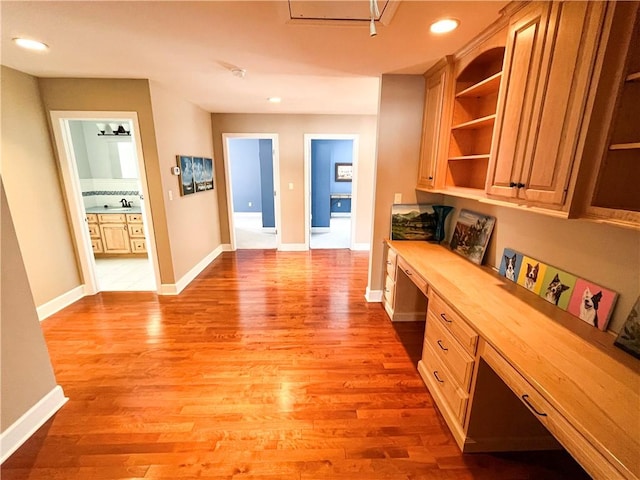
[251, 164]
[330, 166]
[103, 174]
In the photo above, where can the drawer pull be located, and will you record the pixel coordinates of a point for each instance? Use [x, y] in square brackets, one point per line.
[388, 262]
[442, 346]
[435, 374]
[408, 272]
[525, 399]
[386, 290]
[444, 317]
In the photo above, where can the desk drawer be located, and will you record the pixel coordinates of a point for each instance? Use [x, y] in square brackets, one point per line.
[454, 396]
[111, 218]
[391, 264]
[456, 358]
[389, 289]
[411, 273]
[454, 323]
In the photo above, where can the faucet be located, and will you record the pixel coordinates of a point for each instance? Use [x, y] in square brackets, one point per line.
[125, 203]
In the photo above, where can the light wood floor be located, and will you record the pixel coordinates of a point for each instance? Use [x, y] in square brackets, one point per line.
[268, 366]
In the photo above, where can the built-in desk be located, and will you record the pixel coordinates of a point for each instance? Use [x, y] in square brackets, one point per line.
[488, 338]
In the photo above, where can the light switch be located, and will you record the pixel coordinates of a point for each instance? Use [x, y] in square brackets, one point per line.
[170, 195]
[397, 198]
[290, 185]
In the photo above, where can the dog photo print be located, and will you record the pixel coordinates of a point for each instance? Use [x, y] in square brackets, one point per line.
[531, 274]
[557, 287]
[510, 264]
[592, 303]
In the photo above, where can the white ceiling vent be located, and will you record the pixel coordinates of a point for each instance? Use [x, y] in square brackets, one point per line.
[340, 12]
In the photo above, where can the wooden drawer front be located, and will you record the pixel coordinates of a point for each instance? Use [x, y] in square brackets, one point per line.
[136, 230]
[134, 217]
[454, 323]
[389, 289]
[593, 461]
[96, 245]
[111, 218]
[415, 278]
[138, 245]
[92, 218]
[391, 264]
[454, 396]
[450, 352]
[94, 230]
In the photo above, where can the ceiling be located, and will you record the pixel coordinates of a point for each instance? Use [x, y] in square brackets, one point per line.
[191, 48]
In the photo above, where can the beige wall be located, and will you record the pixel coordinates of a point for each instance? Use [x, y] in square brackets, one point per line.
[291, 130]
[26, 374]
[126, 96]
[606, 255]
[194, 226]
[34, 190]
[399, 133]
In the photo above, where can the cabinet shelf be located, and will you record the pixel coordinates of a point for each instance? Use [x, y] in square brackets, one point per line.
[470, 157]
[477, 123]
[482, 88]
[625, 146]
[633, 77]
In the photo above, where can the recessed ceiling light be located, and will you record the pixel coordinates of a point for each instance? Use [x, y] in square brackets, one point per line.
[30, 44]
[445, 25]
[274, 99]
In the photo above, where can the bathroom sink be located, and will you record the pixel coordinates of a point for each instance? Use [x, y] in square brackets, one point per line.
[119, 209]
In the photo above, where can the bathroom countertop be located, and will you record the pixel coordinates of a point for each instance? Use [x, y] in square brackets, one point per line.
[114, 209]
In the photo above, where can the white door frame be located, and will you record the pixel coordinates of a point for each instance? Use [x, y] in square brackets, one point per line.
[73, 191]
[308, 137]
[275, 154]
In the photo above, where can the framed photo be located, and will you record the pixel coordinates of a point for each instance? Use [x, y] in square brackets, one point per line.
[413, 221]
[471, 235]
[629, 337]
[198, 174]
[592, 303]
[187, 185]
[344, 172]
[208, 174]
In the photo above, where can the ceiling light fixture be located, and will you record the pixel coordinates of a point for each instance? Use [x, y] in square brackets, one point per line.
[238, 72]
[445, 25]
[274, 99]
[375, 13]
[31, 44]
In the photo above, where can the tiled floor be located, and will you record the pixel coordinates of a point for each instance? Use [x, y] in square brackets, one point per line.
[250, 234]
[125, 274]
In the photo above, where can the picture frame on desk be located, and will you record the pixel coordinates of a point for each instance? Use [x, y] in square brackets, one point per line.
[471, 235]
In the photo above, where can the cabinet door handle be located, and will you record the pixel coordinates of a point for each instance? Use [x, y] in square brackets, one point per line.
[442, 346]
[521, 185]
[513, 184]
[444, 317]
[430, 178]
[435, 374]
[525, 399]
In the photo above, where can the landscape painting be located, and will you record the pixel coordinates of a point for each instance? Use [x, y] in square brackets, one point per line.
[418, 222]
[187, 186]
[208, 174]
[471, 235]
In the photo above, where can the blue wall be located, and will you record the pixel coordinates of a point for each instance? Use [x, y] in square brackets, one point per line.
[245, 173]
[266, 182]
[324, 156]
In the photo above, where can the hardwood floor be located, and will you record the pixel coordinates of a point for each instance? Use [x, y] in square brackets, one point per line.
[270, 365]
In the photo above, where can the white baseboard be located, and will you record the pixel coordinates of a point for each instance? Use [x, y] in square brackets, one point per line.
[292, 247]
[20, 431]
[373, 295]
[226, 247]
[54, 306]
[176, 288]
[360, 247]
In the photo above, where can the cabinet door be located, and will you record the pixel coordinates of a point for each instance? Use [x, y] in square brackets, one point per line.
[523, 57]
[432, 122]
[115, 238]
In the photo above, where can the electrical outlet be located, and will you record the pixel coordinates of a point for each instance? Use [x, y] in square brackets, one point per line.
[170, 195]
[339, 204]
[251, 204]
[397, 198]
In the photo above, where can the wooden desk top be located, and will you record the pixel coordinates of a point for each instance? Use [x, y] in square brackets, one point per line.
[595, 385]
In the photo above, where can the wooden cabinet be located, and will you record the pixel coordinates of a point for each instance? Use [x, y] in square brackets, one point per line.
[437, 86]
[549, 58]
[404, 291]
[478, 75]
[116, 234]
[607, 188]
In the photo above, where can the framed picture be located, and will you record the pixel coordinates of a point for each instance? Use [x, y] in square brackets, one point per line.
[187, 185]
[592, 303]
[344, 172]
[471, 235]
[629, 337]
[531, 275]
[208, 174]
[418, 222]
[198, 174]
[510, 264]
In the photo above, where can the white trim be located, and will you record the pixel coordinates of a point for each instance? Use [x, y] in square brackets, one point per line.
[308, 137]
[320, 229]
[226, 247]
[54, 306]
[275, 155]
[73, 191]
[20, 430]
[187, 278]
[373, 296]
[361, 247]
[293, 247]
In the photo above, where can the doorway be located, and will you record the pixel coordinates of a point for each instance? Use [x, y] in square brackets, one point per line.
[330, 187]
[251, 164]
[105, 185]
